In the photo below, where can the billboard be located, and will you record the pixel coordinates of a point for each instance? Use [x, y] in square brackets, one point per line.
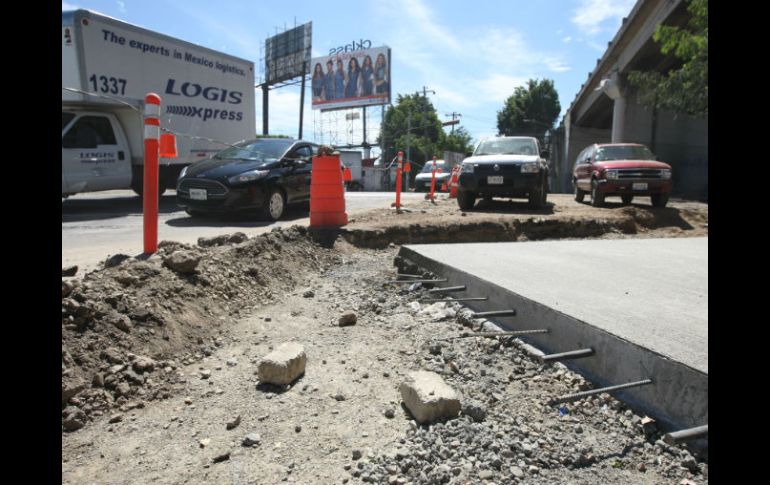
[351, 79]
[286, 52]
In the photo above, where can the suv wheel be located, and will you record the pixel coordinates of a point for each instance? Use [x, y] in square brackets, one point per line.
[275, 205]
[626, 199]
[465, 200]
[659, 200]
[597, 198]
[537, 196]
[579, 194]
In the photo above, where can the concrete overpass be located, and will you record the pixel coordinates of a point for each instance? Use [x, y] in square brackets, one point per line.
[605, 108]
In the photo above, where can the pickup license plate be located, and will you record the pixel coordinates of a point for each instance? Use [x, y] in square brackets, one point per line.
[198, 194]
[639, 186]
[495, 179]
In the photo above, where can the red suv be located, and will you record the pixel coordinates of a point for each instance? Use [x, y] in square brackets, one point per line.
[623, 169]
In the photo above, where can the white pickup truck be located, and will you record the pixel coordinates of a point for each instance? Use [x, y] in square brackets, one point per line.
[108, 66]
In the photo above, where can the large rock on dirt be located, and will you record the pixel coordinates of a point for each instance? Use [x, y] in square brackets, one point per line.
[428, 397]
[283, 365]
[73, 418]
[70, 389]
[182, 261]
[348, 318]
[69, 271]
[143, 364]
[66, 288]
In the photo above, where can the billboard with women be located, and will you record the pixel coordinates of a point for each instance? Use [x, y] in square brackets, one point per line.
[351, 79]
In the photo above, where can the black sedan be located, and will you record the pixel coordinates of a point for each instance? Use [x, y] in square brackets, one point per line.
[261, 175]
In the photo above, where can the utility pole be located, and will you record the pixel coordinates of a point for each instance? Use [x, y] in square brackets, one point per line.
[455, 116]
[425, 92]
[302, 99]
[408, 144]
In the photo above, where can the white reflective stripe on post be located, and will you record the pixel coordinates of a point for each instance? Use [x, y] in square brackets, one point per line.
[151, 132]
[151, 109]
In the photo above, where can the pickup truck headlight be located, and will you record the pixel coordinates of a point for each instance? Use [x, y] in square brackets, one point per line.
[183, 172]
[665, 174]
[612, 174]
[248, 176]
[467, 168]
[530, 168]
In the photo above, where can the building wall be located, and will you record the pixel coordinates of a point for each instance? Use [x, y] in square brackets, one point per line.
[680, 140]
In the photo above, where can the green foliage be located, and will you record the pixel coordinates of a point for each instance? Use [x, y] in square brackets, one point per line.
[538, 103]
[272, 136]
[426, 138]
[685, 89]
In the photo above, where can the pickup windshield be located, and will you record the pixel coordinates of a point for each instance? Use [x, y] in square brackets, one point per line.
[507, 146]
[428, 167]
[261, 150]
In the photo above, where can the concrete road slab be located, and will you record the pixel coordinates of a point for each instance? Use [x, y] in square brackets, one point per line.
[651, 292]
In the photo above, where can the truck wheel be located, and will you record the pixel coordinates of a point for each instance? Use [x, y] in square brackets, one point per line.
[465, 200]
[579, 194]
[597, 198]
[139, 189]
[193, 213]
[275, 205]
[659, 200]
[537, 196]
[626, 199]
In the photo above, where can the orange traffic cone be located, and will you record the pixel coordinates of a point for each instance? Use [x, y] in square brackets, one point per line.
[453, 183]
[327, 193]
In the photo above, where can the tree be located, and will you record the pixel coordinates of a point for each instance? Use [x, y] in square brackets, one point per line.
[460, 141]
[530, 110]
[685, 88]
[423, 136]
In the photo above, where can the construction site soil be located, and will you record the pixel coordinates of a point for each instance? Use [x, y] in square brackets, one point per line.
[159, 360]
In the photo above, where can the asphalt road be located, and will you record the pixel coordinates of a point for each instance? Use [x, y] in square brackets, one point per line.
[100, 224]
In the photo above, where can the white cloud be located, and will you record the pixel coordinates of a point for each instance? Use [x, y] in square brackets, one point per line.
[121, 5]
[68, 6]
[567, 39]
[591, 14]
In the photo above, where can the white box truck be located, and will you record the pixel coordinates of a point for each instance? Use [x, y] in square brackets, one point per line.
[108, 66]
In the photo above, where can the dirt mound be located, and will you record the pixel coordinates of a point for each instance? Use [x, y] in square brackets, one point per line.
[126, 329]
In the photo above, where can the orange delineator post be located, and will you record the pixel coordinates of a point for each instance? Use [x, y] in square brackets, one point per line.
[432, 195]
[150, 187]
[399, 167]
[327, 193]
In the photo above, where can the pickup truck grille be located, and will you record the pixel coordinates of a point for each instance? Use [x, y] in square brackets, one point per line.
[639, 173]
[212, 187]
[505, 169]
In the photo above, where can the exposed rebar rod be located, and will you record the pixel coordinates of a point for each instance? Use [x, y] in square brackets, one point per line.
[418, 281]
[447, 288]
[473, 298]
[495, 313]
[686, 434]
[408, 275]
[572, 354]
[580, 395]
[500, 334]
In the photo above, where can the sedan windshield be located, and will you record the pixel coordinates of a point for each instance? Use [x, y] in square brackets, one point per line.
[624, 153]
[428, 167]
[260, 150]
[507, 146]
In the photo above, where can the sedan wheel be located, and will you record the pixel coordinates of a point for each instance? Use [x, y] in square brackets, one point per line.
[275, 206]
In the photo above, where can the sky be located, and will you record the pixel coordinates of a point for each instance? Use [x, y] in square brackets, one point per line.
[468, 55]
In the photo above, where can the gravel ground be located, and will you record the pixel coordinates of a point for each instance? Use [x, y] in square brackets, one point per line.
[159, 385]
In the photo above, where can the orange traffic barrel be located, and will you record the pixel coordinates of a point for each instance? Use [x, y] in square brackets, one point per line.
[327, 193]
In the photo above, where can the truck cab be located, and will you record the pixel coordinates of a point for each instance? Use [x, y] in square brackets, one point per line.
[95, 152]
